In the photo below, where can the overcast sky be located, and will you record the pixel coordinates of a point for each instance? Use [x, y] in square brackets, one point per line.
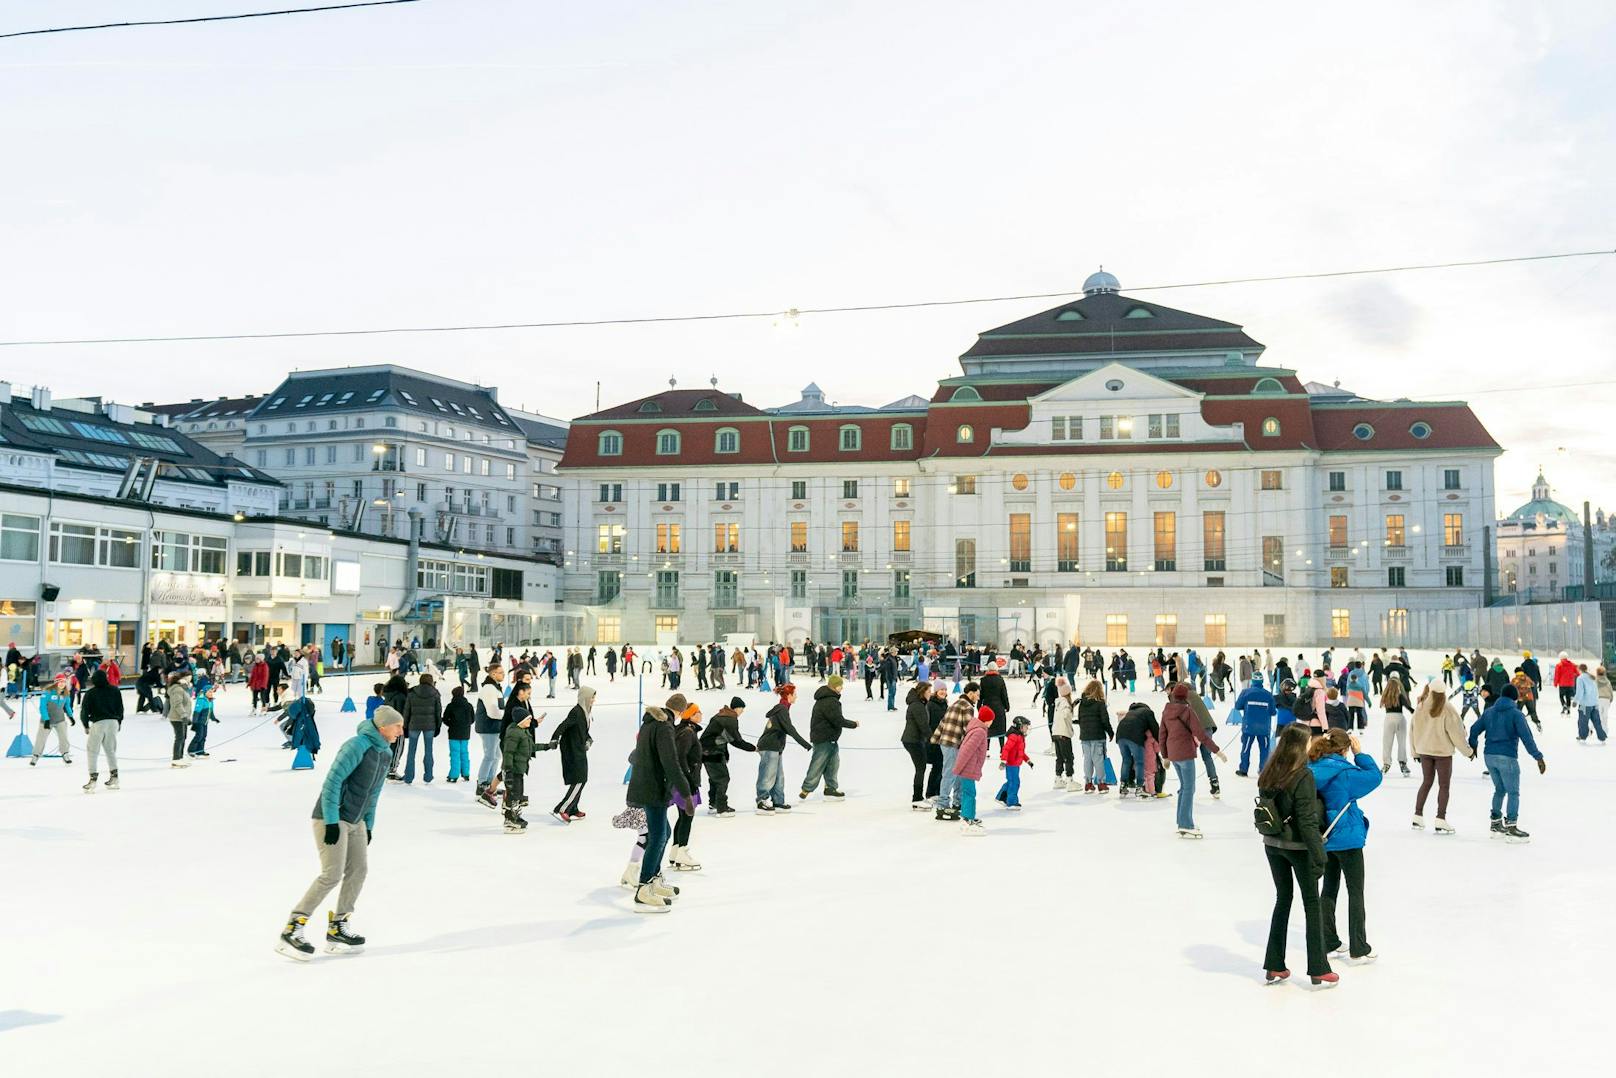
[467, 161]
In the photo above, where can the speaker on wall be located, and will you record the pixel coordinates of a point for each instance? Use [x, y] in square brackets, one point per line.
[49, 592]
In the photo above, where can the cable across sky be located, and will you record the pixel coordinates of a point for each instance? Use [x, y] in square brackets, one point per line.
[790, 312]
[202, 18]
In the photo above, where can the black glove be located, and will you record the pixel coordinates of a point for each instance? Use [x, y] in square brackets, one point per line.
[1542, 766]
[369, 834]
[215, 720]
[331, 832]
[72, 721]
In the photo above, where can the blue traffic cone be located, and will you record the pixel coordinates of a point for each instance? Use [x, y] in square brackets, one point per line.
[303, 761]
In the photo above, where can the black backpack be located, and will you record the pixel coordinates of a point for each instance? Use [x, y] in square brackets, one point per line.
[1269, 817]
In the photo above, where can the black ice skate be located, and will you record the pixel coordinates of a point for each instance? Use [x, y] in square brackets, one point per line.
[338, 940]
[292, 944]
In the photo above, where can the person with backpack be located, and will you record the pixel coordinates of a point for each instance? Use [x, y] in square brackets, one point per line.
[1505, 729]
[1182, 737]
[1287, 817]
[1255, 706]
[1341, 779]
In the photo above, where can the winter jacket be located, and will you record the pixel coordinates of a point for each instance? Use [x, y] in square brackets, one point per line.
[936, 708]
[995, 697]
[1565, 674]
[1505, 728]
[1063, 717]
[1181, 732]
[178, 703]
[572, 738]
[956, 723]
[301, 728]
[259, 678]
[916, 719]
[101, 702]
[423, 710]
[1257, 710]
[490, 707]
[1336, 715]
[973, 752]
[777, 728]
[1093, 720]
[1300, 805]
[1587, 694]
[518, 745]
[825, 722]
[56, 707]
[1138, 724]
[1437, 735]
[687, 744]
[723, 730]
[458, 717]
[354, 784]
[1340, 783]
[1497, 677]
[1014, 753]
[657, 774]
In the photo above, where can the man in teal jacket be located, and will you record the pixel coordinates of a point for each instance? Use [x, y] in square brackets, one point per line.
[343, 820]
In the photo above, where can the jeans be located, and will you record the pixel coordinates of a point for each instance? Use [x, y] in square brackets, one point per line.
[1348, 863]
[1185, 770]
[824, 761]
[1395, 730]
[1506, 773]
[771, 779]
[199, 738]
[892, 695]
[1260, 739]
[409, 760]
[656, 842]
[1063, 756]
[489, 766]
[1010, 791]
[1585, 716]
[179, 737]
[917, 756]
[967, 795]
[1211, 768]
[1093, 761]
[1133, 763]
[459, 759]
[1283, 865]
[948, 789]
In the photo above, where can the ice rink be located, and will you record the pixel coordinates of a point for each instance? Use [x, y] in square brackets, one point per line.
[854, 938]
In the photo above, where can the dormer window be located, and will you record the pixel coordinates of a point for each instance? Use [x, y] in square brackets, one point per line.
[667, 443]
[966, 393]
[728, 440]
[851, 439]
[705, 405]
[650, 406]
[1268, 385]
[1270, 427]
[1140, 312]
[1069, 315]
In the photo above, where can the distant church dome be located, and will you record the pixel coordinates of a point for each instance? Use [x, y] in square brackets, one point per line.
[1101, 282]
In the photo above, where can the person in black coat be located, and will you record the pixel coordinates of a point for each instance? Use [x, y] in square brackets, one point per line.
[655, 778]
[572, 738]
[458, 717]
[915, 738]
[936, 708]
[996, 698]
[724, 730]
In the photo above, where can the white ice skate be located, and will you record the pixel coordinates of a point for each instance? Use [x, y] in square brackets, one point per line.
[646, 901]
[1443, 828]
[682, 861]
[1190, 832]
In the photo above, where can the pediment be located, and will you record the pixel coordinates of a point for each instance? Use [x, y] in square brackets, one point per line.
[1115, 382]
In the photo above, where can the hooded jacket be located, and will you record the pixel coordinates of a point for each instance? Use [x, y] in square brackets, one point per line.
[1565, 674]
[973, 751]
[916, 717]
[1181, 731]
[1340, 783]
[723, 730]
[354, 784]
[777, 728]
[458, 717]
[996, 698]
[825, 723]
[423, 709]
[1138, 723]
[101, 701]
[1063, 716]
[177, 701]
[1093, 720]
[572, 738]
[1257, 710]
[657, 775]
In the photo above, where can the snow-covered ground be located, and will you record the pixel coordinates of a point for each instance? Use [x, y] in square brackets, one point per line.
[856, 938]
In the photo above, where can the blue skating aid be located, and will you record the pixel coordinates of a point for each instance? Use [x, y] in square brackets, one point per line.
[303, 761]
[1110, 773]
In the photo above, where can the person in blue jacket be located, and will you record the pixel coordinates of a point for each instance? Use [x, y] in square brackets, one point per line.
[1342, 773]
[344, 821]
[1284, 704]
[1505, 729]
[1256, 708]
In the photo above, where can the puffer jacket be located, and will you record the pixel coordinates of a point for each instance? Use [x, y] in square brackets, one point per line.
[973, 752]
[490, 706]
[1093, 720]
[916, 718]
[423, 710]
[178, 702]
[1063, 716]
[825, 722]
[1340, 783]
[657, 774]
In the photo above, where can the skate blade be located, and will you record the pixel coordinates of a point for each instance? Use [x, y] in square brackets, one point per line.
[343, 948]
[292, 952]
[646, 907]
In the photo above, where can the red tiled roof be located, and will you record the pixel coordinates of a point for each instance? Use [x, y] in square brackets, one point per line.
[678, 402]
[1453, 426]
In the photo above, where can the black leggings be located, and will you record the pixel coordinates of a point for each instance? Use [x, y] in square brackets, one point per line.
[1063, 756]
[1283, 865]
[681, 830]
[917, 756]
[934, 777]
[1348, 863]
[179, 737]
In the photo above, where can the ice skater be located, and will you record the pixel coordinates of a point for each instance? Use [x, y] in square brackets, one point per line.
[572, 738]
[56, 713]
[656, 779]
[344, 822]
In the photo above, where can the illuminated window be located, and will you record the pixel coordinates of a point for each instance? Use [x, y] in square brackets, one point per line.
[964, 435]
[667, 538]
[1340, 624]
[1217, 630]
[1214, 479]
[1270, 427]
[1164, 480]
[1116, 630]
[1166, 534]
[799, 537]
[1166, 630]
[1452, 529]
[1273, 480]
[900, 535]
[1018, 481]
[1114, 480]
[1338, 576]
[850, 536]
[1338, 530]
[1066, 542]
[1021, 542]
[1396, 534]
[726, 537]
[1116, 542]
[1213, 541]
[1067, 481]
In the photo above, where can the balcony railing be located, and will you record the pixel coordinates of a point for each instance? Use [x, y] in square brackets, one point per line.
[726, 601]
[666, 602]
[1455, 550]
[1395, 552]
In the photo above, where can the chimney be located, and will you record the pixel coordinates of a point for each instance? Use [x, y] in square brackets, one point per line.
[5, 392]
[118, 413]
[41, 399]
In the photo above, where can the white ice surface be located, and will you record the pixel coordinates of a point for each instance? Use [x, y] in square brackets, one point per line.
[855, 938]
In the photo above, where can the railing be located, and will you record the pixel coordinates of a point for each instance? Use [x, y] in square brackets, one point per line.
[1272, 579]
[726, 601]
[387, 466]
[666, 602]
[1342, 551]
[1394, 552]
[1456, 550]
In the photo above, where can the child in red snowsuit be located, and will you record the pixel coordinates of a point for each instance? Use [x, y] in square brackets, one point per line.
[1012, 757]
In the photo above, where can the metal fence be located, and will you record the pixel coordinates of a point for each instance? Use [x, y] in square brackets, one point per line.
[1571, 627]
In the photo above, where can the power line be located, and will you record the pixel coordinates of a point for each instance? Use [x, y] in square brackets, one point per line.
[789, 313]
[204, 18]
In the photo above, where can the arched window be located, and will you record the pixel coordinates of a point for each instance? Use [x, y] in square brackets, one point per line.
[1214, 478]
[903, 436]
[1068, 481]
[964, 435]
[1270, 427]
[1140, 312]
[966, 393]
[1114, 480]
[1164, 480]
[610, 443]
[797, 440]
[1268, 385]
[1019, 481]
[1069, 315]
[705, 405]
[650, 406]
[667, 442]
[728, 440]
[851, 438]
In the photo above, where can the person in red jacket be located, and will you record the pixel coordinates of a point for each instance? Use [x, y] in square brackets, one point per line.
[258, 682]
[973, 753]
[1013, 755]
[1565, 679]
[1182, 737]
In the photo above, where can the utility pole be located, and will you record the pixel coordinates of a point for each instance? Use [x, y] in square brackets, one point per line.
[1587, 553]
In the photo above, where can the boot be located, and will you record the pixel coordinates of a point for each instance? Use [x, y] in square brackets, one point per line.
[292, 944]
[89, 787]
[338, 940]
[1419, 823]
[1497, 829]
[112, 781]
[1217, 791]
[1442, 827]
[663, 889]
[514, 824]
[630, 876]
[1512, 833]
[683, 861]
[646, 900]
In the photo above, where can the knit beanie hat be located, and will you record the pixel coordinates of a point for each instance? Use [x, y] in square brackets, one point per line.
[1181, 691]
[736, 703]
[387, 716]
[984, 714]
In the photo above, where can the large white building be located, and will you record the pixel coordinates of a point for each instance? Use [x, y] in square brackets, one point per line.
[1108, 471]
[1542, 544]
